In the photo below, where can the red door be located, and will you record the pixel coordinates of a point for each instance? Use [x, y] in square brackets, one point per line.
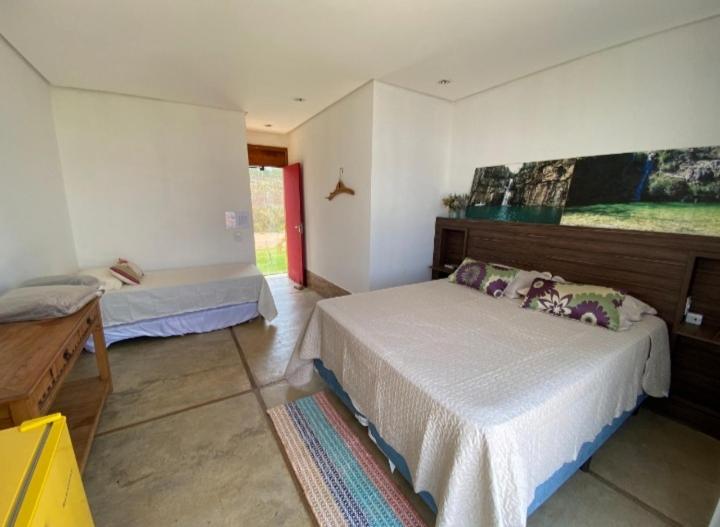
[294, 228]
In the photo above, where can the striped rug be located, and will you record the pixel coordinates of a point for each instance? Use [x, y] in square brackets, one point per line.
[343, 483]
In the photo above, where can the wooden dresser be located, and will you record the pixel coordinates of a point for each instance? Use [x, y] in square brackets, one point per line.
[35, 359]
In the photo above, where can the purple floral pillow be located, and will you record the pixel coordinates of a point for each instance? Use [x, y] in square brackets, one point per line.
[470, 273]
[497, 278]
[491, 279]
[592, 304]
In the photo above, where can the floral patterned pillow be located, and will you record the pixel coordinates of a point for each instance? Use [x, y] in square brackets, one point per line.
[592, 304]
[491, 279]
[497, 279]
[470, 273]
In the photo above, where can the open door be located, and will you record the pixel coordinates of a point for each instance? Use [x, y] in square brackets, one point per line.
[294, 227]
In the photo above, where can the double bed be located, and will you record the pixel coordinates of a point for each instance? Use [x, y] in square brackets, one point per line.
[189, 300]
[487, 408]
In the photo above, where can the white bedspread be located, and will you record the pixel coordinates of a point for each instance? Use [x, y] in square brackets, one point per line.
[176, 291]
[484, 399]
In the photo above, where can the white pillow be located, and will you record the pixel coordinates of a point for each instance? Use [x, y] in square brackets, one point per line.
[634, 309]
[523, 280]
[63, 279]
[43, 302]
[107, 281]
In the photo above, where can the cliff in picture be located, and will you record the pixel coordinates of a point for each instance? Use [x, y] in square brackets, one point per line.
[662, 191]
[528, 192]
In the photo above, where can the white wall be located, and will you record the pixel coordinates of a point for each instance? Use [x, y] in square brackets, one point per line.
[654, 93]
[255, 137]
[35, 236]
[338, 231]
[411, 148]
[658, 92]
[150, 180]
[393, 145]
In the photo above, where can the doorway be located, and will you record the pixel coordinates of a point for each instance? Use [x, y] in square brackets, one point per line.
[266, 189]
[277, 201]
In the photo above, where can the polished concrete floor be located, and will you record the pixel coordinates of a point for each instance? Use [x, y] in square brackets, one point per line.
[185, 441]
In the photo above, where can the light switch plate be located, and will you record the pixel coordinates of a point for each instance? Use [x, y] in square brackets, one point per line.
[230, 219]
[693, 318]
[237, 219]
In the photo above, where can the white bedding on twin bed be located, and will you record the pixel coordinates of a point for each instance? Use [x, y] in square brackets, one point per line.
[176, 291]
[484, 399]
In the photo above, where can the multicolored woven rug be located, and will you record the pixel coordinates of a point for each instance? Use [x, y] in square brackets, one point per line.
[343, 483]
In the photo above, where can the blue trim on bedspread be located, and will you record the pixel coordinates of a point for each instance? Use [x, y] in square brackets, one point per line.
[564, 473]
[542, 492]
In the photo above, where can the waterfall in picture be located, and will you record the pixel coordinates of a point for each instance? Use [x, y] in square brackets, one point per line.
[647, 170]
[508, 194]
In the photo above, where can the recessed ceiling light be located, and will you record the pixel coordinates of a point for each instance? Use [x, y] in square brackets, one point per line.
[268, 125]
[299, 99]
[444, 82]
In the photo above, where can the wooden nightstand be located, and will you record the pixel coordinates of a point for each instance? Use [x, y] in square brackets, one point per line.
[706, 333]
[35, 358]
[450, 249]
[695, 388]
[441, 271]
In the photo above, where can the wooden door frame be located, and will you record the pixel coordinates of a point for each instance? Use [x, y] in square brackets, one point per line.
[267, 156]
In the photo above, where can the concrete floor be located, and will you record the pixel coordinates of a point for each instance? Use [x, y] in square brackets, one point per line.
[185, 441]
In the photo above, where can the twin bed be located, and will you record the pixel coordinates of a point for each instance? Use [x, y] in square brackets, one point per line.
[190, 300]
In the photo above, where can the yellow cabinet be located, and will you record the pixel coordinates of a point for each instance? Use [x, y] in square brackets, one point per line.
[40, 484]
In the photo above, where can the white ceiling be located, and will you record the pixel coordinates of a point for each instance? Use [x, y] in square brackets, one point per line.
[257, 55]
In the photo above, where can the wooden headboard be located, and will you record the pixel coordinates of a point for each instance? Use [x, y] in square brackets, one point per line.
[654, 267]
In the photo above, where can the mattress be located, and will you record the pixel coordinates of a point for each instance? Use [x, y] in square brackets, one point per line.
[483, 399]
[177, 291]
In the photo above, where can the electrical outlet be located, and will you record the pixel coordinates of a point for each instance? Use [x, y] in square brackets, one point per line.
[693, 318]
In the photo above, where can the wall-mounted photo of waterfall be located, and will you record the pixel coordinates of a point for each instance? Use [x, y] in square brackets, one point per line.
[663, 191]
[527, 192]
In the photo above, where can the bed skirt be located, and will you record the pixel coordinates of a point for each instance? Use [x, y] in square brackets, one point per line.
[542, 492]
[194, 322]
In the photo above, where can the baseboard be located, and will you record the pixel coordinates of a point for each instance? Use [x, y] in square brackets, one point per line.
[323, 287]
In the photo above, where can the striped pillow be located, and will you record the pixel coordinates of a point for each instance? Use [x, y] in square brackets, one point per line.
[127, 272]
